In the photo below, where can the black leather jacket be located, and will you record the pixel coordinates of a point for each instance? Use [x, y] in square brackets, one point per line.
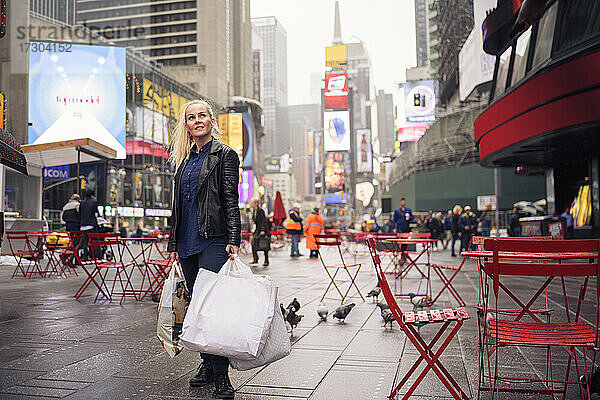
[217, 196]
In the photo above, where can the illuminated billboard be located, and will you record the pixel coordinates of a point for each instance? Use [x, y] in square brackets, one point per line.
[411, 133]
[420, 101]
[336, 134]
[336, 56]
[336, 170]
[364, 154]
[336, 91]
[245, 187]
[247, 140]
[80, 93]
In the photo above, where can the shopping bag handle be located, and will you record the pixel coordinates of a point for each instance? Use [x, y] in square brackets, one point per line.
[236, 268]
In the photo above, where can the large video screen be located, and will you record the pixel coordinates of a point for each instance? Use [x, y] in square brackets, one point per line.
[336, 128]
[77, 91]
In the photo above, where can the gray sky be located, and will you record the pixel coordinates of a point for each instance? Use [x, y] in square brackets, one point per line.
[386, 26]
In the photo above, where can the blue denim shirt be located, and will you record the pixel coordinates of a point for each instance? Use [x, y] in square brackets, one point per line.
[189, 241]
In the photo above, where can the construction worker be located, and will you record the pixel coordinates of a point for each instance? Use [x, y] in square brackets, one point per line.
[314, 226]
[294, 228]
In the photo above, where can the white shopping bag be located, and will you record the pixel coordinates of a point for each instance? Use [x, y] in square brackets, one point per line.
[230, 313]
[172, 308]
[277, 345]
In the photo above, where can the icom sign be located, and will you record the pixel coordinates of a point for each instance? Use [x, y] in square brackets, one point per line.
[58, 172]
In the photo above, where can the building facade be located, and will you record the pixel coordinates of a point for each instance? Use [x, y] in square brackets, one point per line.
[421, 32]
[274, 75]
[64, 11]
[203, 43]
[385, 122]
[450, 23]
[303, 120]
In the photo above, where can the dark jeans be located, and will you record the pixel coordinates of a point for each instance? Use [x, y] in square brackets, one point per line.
[295, 241]
[465, 240]
[455, 238]
[86, 249]
[211, 259]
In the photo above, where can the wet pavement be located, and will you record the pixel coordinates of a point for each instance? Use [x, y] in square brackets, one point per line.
[53, 346]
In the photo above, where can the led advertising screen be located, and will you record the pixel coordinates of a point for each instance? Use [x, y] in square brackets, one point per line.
[411, 133]
[336, 56]
[245, 187]
[248, 134]
[364, 155]
[336, 169]
[79, 93]
[336, 130]
[336, 91]
[420, 101]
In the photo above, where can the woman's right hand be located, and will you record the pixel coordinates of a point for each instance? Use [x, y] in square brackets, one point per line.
[172, 256]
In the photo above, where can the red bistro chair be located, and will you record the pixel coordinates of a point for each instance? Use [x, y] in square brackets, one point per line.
[335, 241]
[28, 249]
[411, 323]
[539, 261]
[112, 271]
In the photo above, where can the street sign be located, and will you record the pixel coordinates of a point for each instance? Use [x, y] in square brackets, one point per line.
[486, 203]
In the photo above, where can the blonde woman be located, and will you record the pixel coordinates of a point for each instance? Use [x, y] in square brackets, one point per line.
[456, 234]
[206, 227]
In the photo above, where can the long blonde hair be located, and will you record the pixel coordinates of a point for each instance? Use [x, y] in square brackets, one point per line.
[181, 140]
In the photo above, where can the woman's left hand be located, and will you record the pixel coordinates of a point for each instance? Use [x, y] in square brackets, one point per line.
[232, 250]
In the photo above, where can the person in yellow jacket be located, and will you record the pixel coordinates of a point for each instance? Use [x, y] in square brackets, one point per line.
[294, 228]
[314, 226]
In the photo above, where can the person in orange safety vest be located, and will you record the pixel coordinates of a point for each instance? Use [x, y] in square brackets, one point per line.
[314, 226]
[294, 228]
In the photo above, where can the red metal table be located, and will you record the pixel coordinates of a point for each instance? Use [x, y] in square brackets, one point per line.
[404, 262]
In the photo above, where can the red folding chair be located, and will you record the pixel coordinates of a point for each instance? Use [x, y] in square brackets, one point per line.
[77, 239]
[26, 248]
[102, 243]
[334, 241]
[539, 262]
[411, 323]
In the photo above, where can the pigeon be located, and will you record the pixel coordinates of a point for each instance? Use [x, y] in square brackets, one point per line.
[383, 306]
[322, 311]
[342, 312]
[419, 301]
[290, 316]
[295, 304]
[374, 293]
[388, 317]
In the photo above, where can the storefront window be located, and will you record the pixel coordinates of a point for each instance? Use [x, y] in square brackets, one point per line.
[543, 44]
[22, 194]
[581, 22]
[502, 73]
[521, 52]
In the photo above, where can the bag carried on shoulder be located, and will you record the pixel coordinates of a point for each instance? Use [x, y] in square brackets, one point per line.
[172, 308]
[230, 313]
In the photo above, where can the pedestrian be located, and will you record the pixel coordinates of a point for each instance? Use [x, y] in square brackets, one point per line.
[485, 223]
[467, 224]
[569, 222]
[261, 238]
[314, 225]
[514, 226]
[447, 223]
[70, 214]
[403, 216]
[88, 221]
[294, 228]
[387, 226]
[430, 217]
[375, 227]
[436, 229]
[456, 234]
[206, 223]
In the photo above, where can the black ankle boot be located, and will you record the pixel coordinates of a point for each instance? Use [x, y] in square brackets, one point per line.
[204, 376]
[223, 388]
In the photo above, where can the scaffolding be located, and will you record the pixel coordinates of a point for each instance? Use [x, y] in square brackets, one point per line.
[448, 142]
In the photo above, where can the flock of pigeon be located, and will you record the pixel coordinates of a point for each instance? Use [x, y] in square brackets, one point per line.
[292, 318]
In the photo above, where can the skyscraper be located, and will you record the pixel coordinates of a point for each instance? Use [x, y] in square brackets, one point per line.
[274, 97]
[64, 11]
[421, 32]
[203, 43]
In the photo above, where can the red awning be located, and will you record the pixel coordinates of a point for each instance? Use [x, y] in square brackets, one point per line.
[138, 146]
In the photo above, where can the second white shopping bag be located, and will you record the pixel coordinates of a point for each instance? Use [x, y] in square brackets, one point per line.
[230, 313]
